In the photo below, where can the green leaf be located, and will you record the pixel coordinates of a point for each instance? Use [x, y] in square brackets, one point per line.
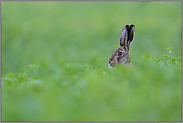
[169, 48]
[158, 60]
[166, 56]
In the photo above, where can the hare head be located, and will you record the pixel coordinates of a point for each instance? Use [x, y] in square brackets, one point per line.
[122, 54]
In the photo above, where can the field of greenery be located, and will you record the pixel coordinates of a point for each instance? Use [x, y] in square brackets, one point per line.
[54, 61]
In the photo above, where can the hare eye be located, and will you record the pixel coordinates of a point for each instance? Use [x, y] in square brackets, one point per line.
[120, 53]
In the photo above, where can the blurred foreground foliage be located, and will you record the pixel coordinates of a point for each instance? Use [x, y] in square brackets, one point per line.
[149, 90]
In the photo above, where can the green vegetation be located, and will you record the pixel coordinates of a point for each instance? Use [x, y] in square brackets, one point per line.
[54, 62]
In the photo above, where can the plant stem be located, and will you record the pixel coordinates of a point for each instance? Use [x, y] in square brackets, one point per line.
[170, 56]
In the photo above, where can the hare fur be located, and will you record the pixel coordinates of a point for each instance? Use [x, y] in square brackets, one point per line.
[122, 54]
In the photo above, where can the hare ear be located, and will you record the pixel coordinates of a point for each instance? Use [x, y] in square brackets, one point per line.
[124, 36]
[131, 31]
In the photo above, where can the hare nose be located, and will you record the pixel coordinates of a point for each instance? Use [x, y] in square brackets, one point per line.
[111, 63]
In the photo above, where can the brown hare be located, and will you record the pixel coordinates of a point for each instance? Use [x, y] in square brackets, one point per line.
[122, 54]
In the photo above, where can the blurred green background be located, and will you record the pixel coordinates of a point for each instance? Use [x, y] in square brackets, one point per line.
[85, 32]
[54, 61]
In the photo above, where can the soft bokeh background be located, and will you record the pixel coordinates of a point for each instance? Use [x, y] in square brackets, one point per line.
[66, 45]
[85, 32]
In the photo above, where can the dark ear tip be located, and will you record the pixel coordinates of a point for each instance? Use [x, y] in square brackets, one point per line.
[132, 25]
[126, 26]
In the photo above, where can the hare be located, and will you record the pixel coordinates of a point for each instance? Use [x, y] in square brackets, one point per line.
[122, 54]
